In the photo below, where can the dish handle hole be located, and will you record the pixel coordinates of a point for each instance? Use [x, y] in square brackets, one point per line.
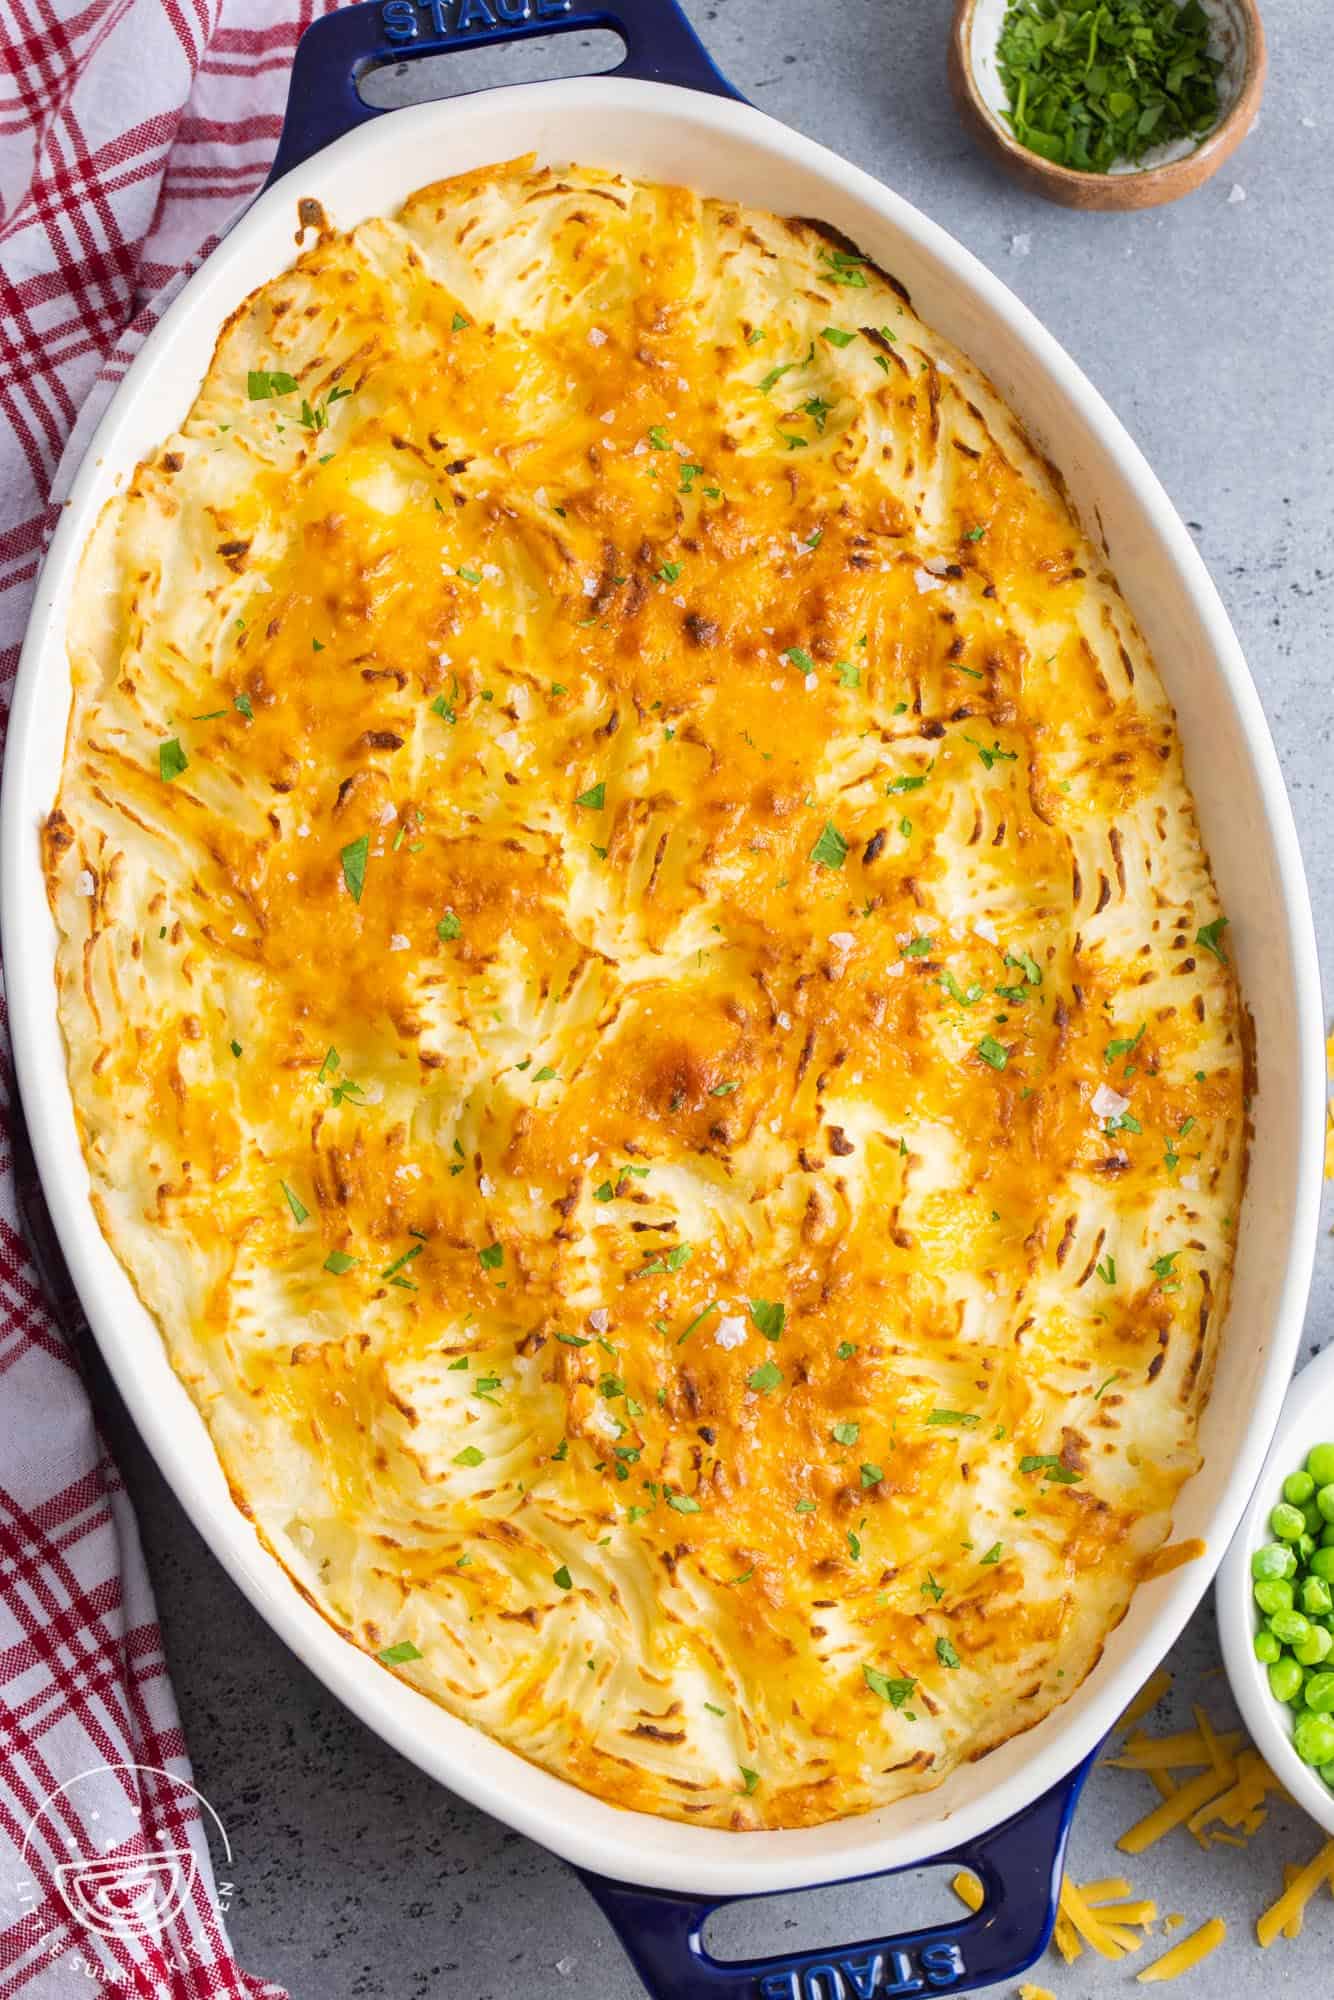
[456, 71]
[848, 1913]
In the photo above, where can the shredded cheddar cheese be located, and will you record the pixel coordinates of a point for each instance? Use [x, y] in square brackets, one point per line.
[1184, 1957]
[1298, 1893]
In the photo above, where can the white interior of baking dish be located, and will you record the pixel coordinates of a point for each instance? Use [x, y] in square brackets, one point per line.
[728, 149]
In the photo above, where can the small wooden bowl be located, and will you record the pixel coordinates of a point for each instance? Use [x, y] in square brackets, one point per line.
[1168, 171]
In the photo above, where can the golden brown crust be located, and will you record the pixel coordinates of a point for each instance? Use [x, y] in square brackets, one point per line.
[633, 975]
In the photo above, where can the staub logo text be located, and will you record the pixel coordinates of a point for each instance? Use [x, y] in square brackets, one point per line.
[409, 20]
[872, 1975]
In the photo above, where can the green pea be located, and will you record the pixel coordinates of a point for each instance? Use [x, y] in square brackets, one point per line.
[1267, 1648]
[1313, 1738]
[1316, 1597]
[1298, 1488]
[1315, 1647]
[1327, 1773]
[1289, 1626]
[1320, 1463]
[1320, 1693]
[1285, 1680]
[1287, 1522]
[1271, 1561]
[1327, 1537]
[1324, 1507]
[1305, 1546]
[1274, 1595]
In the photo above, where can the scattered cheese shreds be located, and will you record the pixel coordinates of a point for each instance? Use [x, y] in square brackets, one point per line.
[1211, 1743]
[1142, 1912]
[968, 1889]
[1106, 1890]
[1186, 1749]
[1293, 1927]
[1176, 1810]
[1189, 1953]
[1035, 1993]
[1066, 1938]
[1157, 1684]
[1297, 1894]
[1089, 1927]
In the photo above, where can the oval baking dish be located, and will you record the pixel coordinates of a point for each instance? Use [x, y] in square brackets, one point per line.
[668, 115]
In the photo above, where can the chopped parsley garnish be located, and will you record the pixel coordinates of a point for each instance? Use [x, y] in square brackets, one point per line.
[768, 1317]
[668, 573]
[714, 1709]
[945, 1652]
[300, 1213]
[391, 1270]
[469, 1455]
[766, 1377]
[544, 1075]
[775, 375]
[871, 1475]
[561, 1578]
[261, 383]
[698, 1320]
[848, 675]
[657, 437]
[1051, 1468]
[975, 534]
[995, 755]
[846, 1433]
[574, 1340]
[594, 797]
[836, 336]
[603, 1193]
[1107, 1270]
[904, 785]
[442, 708]
[722, 1089]
[339, 1262]
[798, 657]
[845, 1350]
[1124, 1046]
[449, 927]
[750, 1779]
[236, 1050]
[917, 947]
[1210, 937]
[1030, 968]
[953, 1417]
[965, 998]
[842, 269]
[460, 324]
[492, 1257]
[1162, 1266]
[895, 1692]
[935, 1591]
[1103, 1386]
[830, 850]
[991, 1051]
[354, 865]
[468, 575]
[993, 1554]
[399, 1655]
[673, 1261]
[171, 759]
[684, 1503]
[242, 705]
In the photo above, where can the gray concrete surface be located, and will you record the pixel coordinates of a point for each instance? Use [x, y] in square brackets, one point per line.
[1210, 327]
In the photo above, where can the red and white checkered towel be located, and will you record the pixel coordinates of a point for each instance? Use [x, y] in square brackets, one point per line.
[131, 133]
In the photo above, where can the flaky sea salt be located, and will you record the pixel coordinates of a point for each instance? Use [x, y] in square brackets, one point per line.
[731, 1331]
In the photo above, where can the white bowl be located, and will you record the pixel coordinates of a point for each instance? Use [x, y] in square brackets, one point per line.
[1307, 1419]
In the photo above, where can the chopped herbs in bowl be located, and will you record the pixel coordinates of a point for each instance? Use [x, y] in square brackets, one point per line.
[1108, 104]
[1094, 84]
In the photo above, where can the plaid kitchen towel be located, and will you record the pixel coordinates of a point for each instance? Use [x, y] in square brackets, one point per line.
[131, 133]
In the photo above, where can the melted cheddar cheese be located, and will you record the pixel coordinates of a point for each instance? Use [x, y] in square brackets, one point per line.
[645, 1004]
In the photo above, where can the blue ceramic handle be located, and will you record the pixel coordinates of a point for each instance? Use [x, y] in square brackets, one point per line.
[337, 50]
[1019, 1866]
